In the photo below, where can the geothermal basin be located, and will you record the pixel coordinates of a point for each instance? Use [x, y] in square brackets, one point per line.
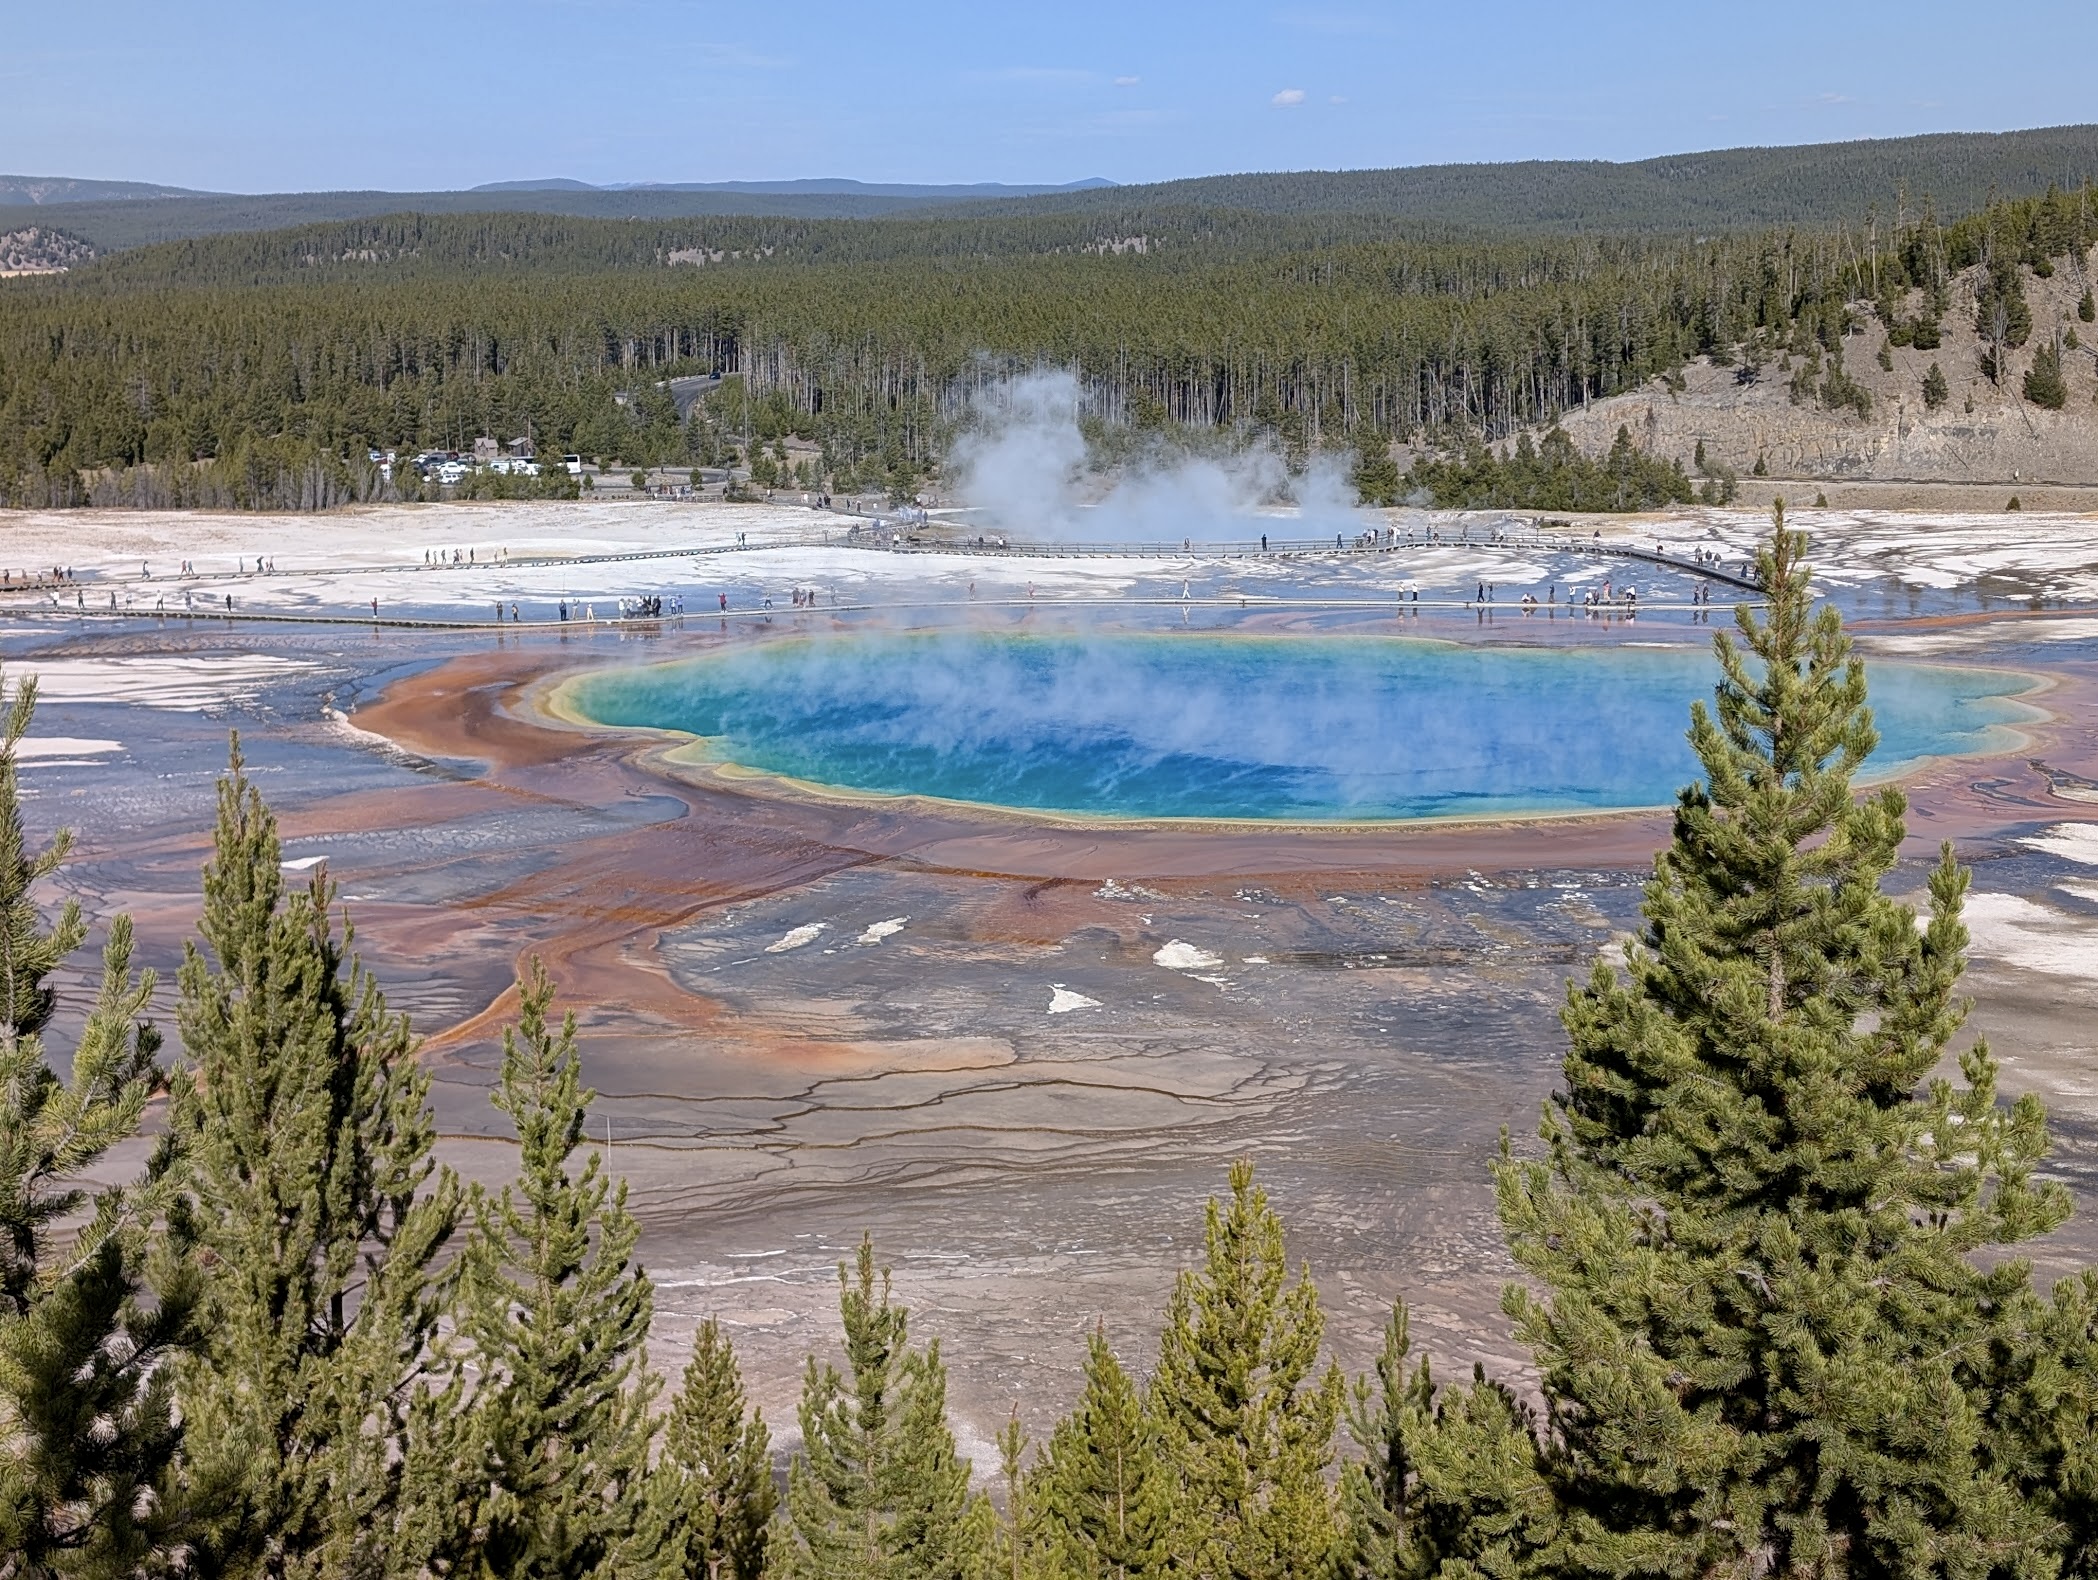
[1235, 728]
[967, 906]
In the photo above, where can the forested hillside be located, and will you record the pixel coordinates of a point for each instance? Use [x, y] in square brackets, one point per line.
[1731, 190]
[1728, 189]
[229, 365]
[112, 226]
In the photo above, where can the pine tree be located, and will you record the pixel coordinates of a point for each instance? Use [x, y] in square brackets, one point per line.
[710, 1496]
[1377, 479]
[2044, 385]
[556, 1315]
[308, 1183]
[1482, 1505]
[1450, 1481]
[2048, 1416]
[1936, 392]
[1016, 1547]
[1377, 1490]
[89, 1318]
[1103, 1496]
[878, 1492]
[1247, 1427]
[1765, 1342]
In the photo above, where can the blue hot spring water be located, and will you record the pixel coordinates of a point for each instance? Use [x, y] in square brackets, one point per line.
[1305, 729]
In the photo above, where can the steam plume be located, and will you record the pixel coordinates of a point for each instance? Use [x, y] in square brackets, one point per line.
[1023, 465]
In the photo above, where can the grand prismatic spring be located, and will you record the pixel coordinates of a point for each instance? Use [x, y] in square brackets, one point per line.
[1210, 727]
[990, 902]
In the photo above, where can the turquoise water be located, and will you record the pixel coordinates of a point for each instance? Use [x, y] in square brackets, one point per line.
[1312, 729]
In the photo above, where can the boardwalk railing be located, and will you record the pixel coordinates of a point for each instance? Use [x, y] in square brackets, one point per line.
[882, 534]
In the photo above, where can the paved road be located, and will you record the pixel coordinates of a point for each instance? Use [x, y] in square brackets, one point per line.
[689, 392]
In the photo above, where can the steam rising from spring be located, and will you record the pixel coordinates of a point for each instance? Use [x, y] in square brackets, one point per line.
[1023, 463]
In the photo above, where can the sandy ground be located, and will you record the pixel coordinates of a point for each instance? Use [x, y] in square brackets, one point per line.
[1984, 444]
[1019, 1055]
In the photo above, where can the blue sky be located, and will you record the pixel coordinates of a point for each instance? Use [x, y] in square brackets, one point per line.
[273, 95]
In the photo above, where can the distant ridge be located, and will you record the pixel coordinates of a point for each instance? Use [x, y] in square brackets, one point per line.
[1730, 189]
[549, 184]
[824, 186]
[1721, 189]
[25, 191]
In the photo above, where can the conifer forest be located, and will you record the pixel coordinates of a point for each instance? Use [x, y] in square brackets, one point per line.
[263, 370]
[1770, 1231]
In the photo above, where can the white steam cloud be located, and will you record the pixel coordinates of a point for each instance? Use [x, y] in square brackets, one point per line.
[1024, 466]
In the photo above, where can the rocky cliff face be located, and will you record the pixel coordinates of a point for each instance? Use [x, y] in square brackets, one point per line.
[38, 249]
[1984, 432]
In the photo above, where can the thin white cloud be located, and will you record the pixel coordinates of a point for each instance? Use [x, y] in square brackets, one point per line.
[1127, 82]
[1288, 99]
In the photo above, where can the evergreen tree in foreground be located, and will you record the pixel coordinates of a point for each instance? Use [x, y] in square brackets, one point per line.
[2051, 1418]
[710, 1496]
[556, 1312]
[1245, 1422]
[1102, 1492]
[306, 1130]
[1449, 1483]
[89, 1315]
[1766, 1344]
[878, 1492]
[1384, 1418]
[1016, 1546]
